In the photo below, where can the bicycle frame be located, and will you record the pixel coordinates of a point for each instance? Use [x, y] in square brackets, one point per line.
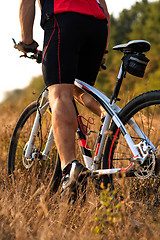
[112, 110]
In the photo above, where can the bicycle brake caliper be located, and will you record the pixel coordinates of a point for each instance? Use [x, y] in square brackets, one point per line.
[144, 150]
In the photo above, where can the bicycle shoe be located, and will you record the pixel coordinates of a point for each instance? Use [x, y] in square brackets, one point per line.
[73, 181]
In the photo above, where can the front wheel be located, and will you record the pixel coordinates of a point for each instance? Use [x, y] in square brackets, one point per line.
[144, 110]
[48, 170]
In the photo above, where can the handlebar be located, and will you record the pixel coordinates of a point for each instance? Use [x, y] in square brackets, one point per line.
[38, 55]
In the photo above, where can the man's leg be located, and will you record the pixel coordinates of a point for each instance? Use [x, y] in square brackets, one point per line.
[64, 121]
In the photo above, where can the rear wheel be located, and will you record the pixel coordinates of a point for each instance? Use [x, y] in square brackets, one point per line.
[144, 110]
[48, 170]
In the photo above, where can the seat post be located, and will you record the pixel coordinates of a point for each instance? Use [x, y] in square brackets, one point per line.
[118, 84]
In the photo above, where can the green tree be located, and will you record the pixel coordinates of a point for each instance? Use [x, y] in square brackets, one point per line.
[122, 27]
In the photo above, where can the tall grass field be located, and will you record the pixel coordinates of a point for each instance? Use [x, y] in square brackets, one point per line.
[29, 212]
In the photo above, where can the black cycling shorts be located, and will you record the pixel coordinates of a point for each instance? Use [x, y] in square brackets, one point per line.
[74, 45]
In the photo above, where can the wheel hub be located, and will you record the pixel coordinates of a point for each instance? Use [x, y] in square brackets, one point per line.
[27, 162]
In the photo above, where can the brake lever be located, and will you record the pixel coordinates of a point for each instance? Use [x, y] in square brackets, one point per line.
[14, 42]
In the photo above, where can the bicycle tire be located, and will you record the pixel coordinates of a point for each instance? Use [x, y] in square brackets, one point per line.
[145, 111]
[48, 171]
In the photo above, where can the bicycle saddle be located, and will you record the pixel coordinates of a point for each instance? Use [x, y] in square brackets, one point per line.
[134, 45]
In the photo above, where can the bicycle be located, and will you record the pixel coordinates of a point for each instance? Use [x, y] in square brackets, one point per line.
[127, 140]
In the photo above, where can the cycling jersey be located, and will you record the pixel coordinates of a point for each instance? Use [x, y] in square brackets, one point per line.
[87, 7]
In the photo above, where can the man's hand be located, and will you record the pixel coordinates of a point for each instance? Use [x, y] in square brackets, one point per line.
[25, 48]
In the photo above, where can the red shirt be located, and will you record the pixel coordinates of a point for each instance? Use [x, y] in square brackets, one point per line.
[87, 7]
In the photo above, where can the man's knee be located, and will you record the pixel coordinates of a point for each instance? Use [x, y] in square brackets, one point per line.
[61, 102]
[60, 92]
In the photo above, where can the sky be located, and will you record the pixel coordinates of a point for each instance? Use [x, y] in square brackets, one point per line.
[17, 72]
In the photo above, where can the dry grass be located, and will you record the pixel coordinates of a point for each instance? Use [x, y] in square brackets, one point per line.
[27, 212]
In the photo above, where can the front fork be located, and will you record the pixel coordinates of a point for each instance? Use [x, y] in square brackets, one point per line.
[29, 154]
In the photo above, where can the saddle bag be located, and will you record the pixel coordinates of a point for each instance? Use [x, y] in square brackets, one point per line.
[135, 64]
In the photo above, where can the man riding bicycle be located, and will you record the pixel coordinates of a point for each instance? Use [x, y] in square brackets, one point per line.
[75, 40]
